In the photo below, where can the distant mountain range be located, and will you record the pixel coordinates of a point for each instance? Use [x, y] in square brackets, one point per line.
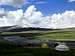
[16, 28]
[19, 29]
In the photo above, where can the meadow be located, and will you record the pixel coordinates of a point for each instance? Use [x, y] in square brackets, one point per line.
[9, 49]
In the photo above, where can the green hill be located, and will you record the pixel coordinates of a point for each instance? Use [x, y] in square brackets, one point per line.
[55, 34]
[59, 35]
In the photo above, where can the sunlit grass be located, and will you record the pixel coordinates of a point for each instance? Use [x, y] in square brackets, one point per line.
[58, 34]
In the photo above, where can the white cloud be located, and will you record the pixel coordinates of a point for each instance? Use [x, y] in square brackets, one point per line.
[13, 2]
[2, 12]
[64, 20]
[34, 18]
[29, 11]
[71, 0]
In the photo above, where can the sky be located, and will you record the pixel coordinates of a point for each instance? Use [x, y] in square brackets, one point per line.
[54, 14]
[47, 7]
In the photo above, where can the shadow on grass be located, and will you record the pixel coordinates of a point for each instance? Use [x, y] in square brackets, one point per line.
[20, 51]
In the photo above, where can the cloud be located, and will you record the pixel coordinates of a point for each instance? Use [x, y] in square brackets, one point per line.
[13, 2]
[71, 0]
[2, 12]
[10, 18]
[34, 18]
[14, 18]
[64, 20]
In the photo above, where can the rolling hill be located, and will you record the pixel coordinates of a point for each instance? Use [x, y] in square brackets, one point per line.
[67, 34]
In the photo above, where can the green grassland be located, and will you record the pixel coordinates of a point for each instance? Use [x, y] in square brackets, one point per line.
[59, 35]
[56, 34]
[12, 50]
[8, 49]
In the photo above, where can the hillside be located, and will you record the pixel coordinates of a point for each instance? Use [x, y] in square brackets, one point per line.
[50, 34]
[67, 34]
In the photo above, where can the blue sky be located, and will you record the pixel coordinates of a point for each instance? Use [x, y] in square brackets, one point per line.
[47, 7]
